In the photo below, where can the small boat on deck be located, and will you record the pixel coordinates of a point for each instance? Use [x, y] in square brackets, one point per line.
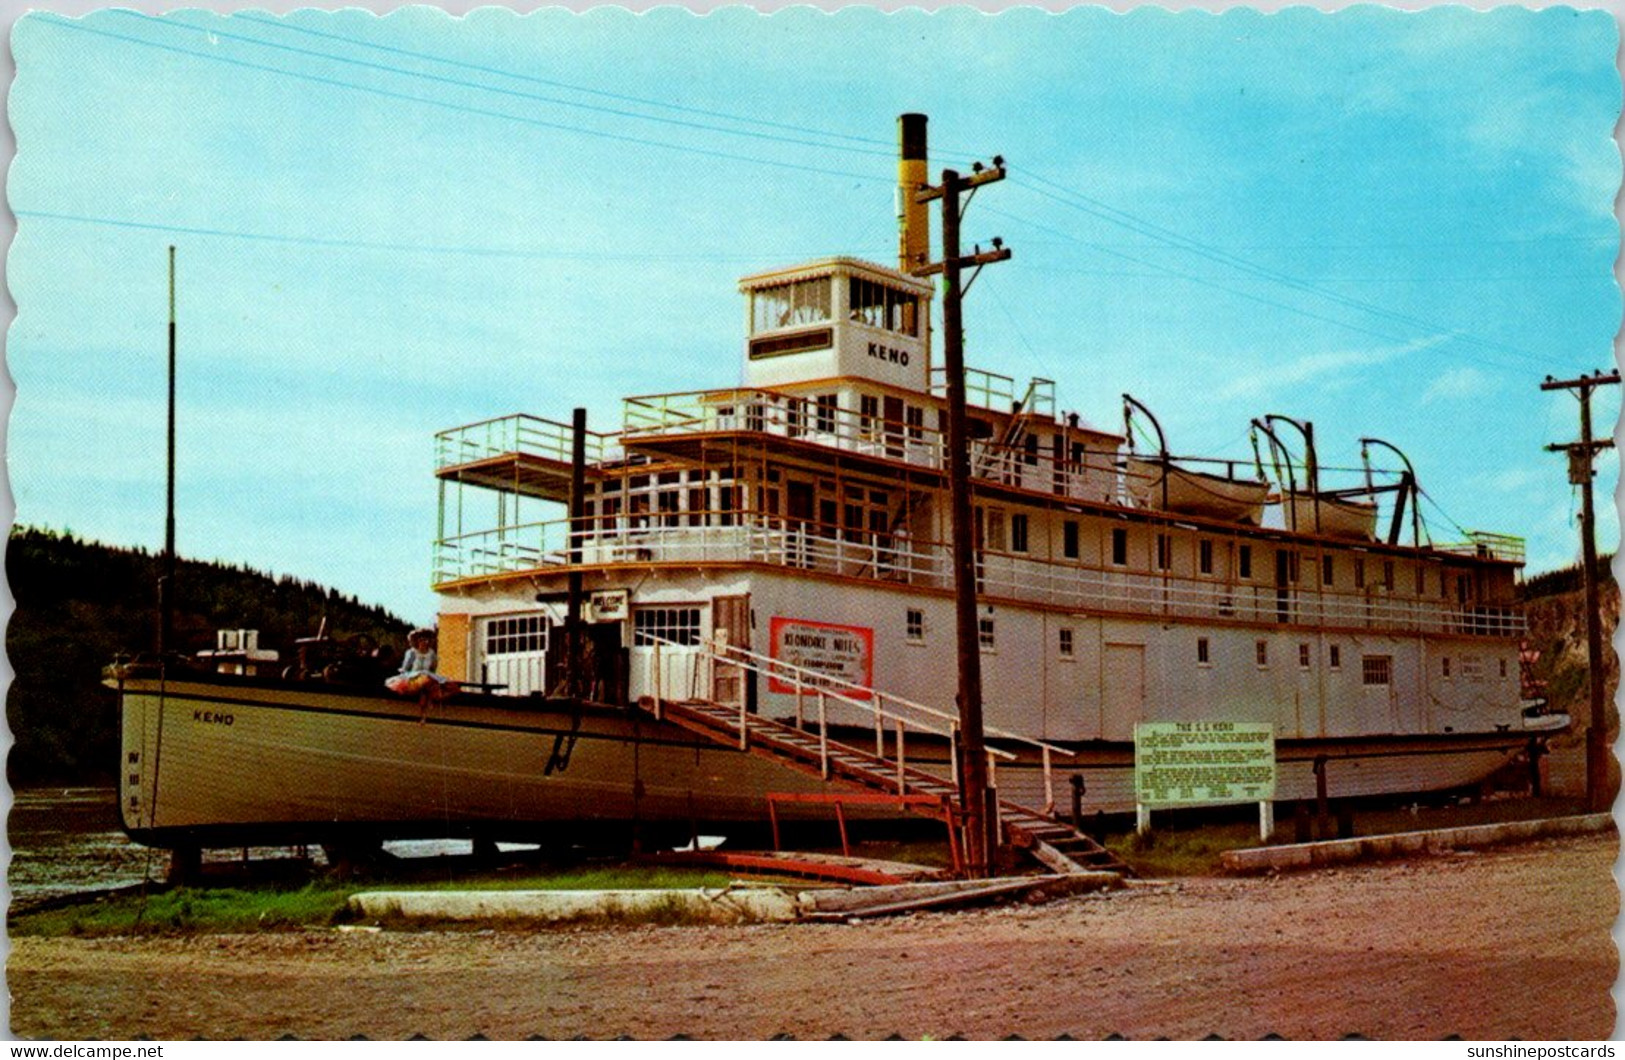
[1162, 484]
[1331, 516]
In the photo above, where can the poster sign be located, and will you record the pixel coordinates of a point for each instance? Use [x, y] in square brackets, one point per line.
[843, 654]
[1192, 763]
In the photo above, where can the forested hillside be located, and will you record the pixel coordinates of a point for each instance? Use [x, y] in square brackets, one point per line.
[1555, 604]
[80, 603]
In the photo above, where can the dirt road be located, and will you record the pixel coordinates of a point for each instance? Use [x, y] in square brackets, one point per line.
[1499, 944]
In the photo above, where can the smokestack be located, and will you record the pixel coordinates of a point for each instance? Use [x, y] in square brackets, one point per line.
[913, 218]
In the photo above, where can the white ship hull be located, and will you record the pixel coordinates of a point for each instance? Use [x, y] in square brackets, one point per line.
[229, 763]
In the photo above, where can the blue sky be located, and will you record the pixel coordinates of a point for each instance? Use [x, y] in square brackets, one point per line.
[1391, 224]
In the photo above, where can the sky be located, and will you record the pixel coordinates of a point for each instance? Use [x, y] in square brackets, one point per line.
[1390, 224]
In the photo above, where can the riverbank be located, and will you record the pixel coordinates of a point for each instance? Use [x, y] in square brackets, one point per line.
[1512, 942]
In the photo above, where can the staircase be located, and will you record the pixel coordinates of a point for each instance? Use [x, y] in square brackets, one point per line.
[1052, 842]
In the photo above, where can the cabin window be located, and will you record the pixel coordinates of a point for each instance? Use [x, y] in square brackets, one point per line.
[1377, 670]
[679, 625]
[1327, 572]
[1203, 657]
[1244, 561]
[1069, 539]
[1388, 574]
[1065, 644]
[1444, 667]
[1018, 533]
[1303, 656]
[1359, 574]
[914, 625]
[1334, 657]
[612, 513]
[510, 636]
[880, 306]
[1421, 579]
[1503, 663]
[1204, 556]
[696, 505]
[793, 416]
[984, 634]
[1119, 546]
[868, 412]
[824, 414]
[667, 503]
[914, 416]
[996, 540]
[789, 305]
[1029, 453]
[1261, 653]
[1165, 552]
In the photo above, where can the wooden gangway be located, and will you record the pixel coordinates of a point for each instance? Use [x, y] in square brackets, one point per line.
[805, 745]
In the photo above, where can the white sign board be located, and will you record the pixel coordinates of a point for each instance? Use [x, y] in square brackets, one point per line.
[1194, 763]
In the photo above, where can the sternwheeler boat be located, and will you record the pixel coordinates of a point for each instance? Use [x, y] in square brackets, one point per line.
[749, 561]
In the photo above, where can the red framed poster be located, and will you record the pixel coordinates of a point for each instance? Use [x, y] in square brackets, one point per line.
[843, 654]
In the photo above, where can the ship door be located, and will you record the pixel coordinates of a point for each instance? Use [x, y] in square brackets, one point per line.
[799, 503]
[1122, 701]
[1283, 584]
[892, 412]
[730, 627]
[513, 653]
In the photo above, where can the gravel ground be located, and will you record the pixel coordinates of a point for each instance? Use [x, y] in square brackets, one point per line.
[1506, 943]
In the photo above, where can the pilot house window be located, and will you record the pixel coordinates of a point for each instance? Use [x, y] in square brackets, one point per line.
[880, 306]
[788, 305]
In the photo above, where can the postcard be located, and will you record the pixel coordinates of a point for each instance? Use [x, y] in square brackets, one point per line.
[748, 524]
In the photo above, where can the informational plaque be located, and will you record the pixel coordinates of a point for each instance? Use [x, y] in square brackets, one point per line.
[1192, 763]
[843, 656]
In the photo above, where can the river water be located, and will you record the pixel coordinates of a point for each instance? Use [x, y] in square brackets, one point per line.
[67, 840]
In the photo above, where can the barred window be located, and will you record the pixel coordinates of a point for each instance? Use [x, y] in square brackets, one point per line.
[510, 636]
[1377, 669]
[1065, 646]
[984, 633]
[914, 625]
[679, 625]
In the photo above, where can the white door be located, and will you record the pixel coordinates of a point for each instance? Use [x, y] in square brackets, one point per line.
[1122, 700]
[665, 655]
[513, 653]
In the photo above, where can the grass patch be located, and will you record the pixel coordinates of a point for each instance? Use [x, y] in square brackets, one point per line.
[226, 910]
[183, 910]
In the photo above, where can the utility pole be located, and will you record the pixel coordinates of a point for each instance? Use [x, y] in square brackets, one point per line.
[1580, 455]
[166, 581]
[981, 842]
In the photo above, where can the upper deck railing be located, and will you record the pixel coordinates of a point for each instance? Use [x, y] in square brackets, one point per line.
[896, 560]
[1481, 544]
[781, 415]
[519, 435]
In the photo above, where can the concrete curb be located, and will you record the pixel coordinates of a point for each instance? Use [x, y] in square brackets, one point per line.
[1343, 851]
[725, 906]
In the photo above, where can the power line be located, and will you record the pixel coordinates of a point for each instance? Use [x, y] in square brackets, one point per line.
[1124, 219]
[361, 244]
[283, 24]
[460, 83]
[455, 107]
[1189, 278]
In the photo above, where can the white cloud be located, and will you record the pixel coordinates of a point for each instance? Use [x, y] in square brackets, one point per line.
[1457, 383]
[1327, 368]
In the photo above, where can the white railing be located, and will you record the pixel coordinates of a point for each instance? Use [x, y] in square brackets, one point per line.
[518, 435]
[890, 714]
[781, 415]
[898, 560]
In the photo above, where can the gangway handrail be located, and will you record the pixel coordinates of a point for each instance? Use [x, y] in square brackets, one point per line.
[821, 683]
